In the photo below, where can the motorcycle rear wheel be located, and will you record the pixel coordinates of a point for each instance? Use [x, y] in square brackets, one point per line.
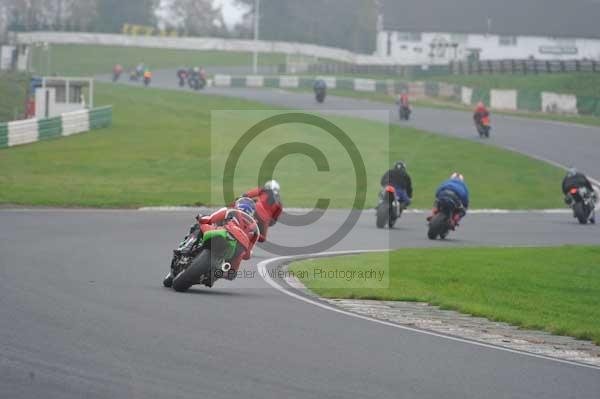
[438, 226]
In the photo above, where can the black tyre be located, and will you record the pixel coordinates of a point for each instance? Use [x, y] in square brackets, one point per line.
[201, 265]
[383, 216]
[437, 226]
[581, 212]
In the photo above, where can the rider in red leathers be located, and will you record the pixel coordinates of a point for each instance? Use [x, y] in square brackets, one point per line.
[268, 206]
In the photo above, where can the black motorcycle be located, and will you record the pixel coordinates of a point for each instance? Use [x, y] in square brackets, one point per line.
[583, 202]
[320, 94]
[389, 209]
[448, 205]
[182, 76]
[320, 89]
[482, 124]
[196, 82]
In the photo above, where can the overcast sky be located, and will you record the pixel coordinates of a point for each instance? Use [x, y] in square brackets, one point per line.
[231, 12]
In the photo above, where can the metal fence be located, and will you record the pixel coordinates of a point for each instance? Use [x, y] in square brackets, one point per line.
[522, 67]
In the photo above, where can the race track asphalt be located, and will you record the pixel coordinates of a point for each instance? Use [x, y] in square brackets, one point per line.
[83, 312]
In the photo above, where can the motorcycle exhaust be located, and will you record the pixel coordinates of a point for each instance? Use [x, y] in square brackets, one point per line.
[225, 267]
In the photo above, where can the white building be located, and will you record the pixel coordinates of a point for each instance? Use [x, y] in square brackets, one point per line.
[440, 31]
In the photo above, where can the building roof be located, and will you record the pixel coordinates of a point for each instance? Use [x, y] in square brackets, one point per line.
[554, 18]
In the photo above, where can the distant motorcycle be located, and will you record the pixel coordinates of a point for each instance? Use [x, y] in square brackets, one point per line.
[147, 81]
[388, 209]
[320, 89]
[196, 82]
[583, 202]
[182, 76]
[404, 112]
[117, 74]
[449, 205]
[482, 124]
[133, 76]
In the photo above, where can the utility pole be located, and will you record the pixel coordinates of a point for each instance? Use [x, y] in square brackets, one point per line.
[256, 32]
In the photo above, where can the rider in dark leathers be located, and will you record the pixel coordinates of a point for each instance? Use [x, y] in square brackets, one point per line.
[575, 179]
[399, 178]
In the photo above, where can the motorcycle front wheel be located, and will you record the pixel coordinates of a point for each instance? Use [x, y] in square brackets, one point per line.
[200, 266]
[580, 212]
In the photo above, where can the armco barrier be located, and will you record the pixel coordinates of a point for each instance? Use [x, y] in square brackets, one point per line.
[511, 100]
[466, 95]
[503, 99]
[3, 135]
[49, 128]
[559, 103]
[23, 132]
[75, 122]
[588, 105]
[529, 100]
[101, 117]
[32, 130]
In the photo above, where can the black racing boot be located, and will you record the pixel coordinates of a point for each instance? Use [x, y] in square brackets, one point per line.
[168, 280]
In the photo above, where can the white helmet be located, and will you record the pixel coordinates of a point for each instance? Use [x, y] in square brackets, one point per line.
[457, 176]
[272, 185]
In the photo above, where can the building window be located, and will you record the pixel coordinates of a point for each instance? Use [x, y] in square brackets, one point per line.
[507, 40]
[408, 36]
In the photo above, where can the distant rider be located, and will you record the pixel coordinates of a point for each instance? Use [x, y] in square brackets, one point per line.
[399, 178]
[319, 85]
[139, 69]
[243, 229]
[403, 101]
[268, 206]
[117, 71]
[455, 184]
[575, 179]
[481, 112]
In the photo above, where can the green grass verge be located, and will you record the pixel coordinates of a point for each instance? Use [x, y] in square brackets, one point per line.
[158, 153]
[551, 289]
[13, 90]
[84, 60]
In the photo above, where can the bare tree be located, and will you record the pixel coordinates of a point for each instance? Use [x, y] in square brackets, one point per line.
[198, 17]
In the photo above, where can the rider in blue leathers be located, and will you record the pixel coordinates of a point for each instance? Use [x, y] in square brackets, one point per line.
[456, 184]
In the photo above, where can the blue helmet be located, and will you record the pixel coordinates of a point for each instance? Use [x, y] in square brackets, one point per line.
[246, 205]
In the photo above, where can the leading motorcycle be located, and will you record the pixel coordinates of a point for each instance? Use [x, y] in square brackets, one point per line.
[582, 201]
[448, 205]
[388, 209]
[205, 258]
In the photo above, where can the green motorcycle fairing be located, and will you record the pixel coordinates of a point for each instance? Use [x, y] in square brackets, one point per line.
[231, 242]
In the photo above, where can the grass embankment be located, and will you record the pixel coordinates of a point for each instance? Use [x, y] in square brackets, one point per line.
[551, 289]
[13, 90]
[78, 60]
[158, 153]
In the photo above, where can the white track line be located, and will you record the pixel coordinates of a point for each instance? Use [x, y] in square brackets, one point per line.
[262, 269]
